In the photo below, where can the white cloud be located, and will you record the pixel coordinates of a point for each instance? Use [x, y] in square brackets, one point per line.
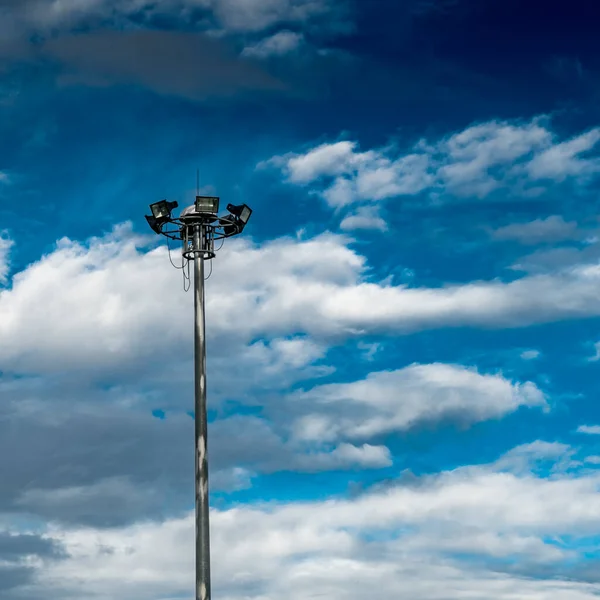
[283, 42]
[118, 294]
[589, 429]
[365, 217]
[257, 445]
[325, 160]
[335, 299]
[404, 539]
[93, 307]
[564, 159]
[106, 459]
[264, 365]
[357, 175]
[526, 457]
[550, 229]
[472, 163]
[471, 155]
[125, 305]
[398, 400]
[530, 354]
[346, 456]
[297, 352]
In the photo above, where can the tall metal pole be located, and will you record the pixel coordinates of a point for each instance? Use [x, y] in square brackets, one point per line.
[202, 223]
[202, 513]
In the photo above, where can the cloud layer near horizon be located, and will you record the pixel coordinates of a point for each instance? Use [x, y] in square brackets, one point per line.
[405, 539]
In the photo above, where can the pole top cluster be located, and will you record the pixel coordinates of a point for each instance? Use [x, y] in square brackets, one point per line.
[203, 213]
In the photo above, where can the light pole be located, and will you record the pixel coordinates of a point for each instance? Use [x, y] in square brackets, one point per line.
[198, 227]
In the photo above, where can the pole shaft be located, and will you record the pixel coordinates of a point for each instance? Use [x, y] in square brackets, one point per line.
[203, 591]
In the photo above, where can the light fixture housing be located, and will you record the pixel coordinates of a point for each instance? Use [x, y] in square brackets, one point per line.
[207, 205]
[161, 210]
[154, 224]
[242, 212]
[231, 228]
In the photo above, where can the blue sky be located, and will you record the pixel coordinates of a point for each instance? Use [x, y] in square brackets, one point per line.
[403, 345]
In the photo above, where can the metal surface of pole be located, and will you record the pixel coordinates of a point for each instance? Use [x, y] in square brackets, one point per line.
[197, 227]
[203, 591]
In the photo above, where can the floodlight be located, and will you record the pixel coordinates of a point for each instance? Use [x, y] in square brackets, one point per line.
[232, 228]
[153, 224]
[162, 210]
[207, 204]
[242, 212]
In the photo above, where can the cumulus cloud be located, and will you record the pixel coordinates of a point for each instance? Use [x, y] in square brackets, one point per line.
[106, 461]
[83, 455]
[325, 160]
[530, 457]
[365, 217]
[389, 401]
[263, 366]
[476, 162]
[347, 456]
[100, 327]
[409, 540]
[258, 445]
[119, 288]
[99, 457]
[113, 317]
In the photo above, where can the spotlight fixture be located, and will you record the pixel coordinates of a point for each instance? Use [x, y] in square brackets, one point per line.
[240, 215]
[242, 212]
[162, 210]
[207, 205]
[161, 213]
[154, 224]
